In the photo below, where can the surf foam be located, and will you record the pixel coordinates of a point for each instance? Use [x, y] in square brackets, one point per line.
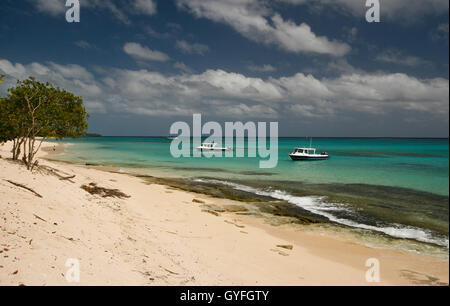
[317, 206]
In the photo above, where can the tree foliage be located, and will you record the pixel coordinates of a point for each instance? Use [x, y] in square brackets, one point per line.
[34, 111]
[2, 76]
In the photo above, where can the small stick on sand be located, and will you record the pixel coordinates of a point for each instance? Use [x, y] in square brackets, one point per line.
[37, 217]
[171, 272]
[24, 187]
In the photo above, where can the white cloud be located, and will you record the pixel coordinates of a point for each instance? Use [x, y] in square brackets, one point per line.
[408, 11]
[160, 35]
[147, 7]
[73, 78]
[301, 86]
[263, 68]
[258, 22]
[121, 12]
[71, 71]
[52, 7]
[382, 92]
[83, 44]
[140, 52]
[57, 8]
[228, 84]
[233, 110]
[222, 93]
[393, 56]
[191, 48]
[183, 67]
[118, 12]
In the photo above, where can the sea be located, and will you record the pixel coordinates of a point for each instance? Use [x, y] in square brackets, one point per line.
[394, 188]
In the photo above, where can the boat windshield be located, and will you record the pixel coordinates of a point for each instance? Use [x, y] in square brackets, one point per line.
[305, 151]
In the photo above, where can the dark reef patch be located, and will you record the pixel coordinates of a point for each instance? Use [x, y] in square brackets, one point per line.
[381, 154]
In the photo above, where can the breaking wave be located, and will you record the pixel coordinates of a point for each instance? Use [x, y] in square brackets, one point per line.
[317, 206]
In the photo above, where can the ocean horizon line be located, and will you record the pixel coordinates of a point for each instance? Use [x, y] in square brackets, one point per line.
[288, 137]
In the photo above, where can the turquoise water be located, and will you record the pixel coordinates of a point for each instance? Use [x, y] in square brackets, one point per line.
[399, 187]
[420, 164]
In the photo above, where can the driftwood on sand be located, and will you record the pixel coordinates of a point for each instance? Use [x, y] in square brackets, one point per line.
[93, 189]
[63, 176]
[24, 187]
[39, 218]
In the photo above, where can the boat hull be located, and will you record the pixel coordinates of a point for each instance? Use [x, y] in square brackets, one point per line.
[308, 158]
[212, 150]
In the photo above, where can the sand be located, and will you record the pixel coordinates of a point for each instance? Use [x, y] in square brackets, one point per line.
[160, 236]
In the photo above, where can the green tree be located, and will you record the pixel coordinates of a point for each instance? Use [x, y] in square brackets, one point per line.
[35, 111]
[12, 124]
[2, 76]
[4, 131]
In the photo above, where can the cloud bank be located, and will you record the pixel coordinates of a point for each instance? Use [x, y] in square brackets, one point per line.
[227, 94]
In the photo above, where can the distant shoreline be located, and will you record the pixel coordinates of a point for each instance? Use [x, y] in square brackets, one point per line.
[299, 137]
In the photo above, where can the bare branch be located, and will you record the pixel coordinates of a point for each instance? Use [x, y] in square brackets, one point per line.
[24, 187]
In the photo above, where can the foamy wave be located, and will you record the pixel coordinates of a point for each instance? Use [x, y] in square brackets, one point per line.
[316, 206]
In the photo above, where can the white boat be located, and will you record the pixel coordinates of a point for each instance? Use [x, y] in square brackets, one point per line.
[308, 154]
[212, 146]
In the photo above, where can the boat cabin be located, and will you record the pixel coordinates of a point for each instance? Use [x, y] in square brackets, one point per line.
[310, 151]
[207, 145]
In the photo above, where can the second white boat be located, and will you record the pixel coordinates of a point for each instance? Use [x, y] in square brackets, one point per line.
[212, 146]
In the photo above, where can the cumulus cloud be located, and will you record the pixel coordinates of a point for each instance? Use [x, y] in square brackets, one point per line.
[191, 48]
[74, 78]
[222, 93]
[255, 20]
[380, 92]
[140, 52]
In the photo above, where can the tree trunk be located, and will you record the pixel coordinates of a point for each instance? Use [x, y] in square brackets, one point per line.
[28, 156]
[16, 147]
[14, 150]
[24, 158]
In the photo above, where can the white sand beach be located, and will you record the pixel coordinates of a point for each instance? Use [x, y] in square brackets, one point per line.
[163, 236]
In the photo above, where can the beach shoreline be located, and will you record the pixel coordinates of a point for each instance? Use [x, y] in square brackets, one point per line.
[161, 235]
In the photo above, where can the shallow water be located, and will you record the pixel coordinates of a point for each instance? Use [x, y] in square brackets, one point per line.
[398, 187]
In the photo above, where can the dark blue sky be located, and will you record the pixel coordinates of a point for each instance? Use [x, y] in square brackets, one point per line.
[315, 66]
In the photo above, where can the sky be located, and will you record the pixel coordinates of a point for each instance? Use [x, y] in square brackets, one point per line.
[315, 66]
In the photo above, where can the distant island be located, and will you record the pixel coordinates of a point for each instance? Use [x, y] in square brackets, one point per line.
[93, 135]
